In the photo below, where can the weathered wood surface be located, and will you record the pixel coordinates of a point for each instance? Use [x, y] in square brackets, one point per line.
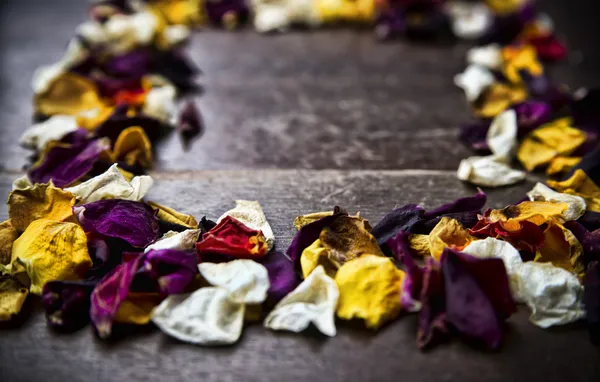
[330, 99]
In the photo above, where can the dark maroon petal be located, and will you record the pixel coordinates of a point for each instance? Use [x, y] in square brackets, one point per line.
[173, 270]
[474, 135]
[401, 219]
[590, 164]
[468, 308]
[120, 120]
[466, 204]
[217, 10]
[66, 165]
[413, 282]
[67, 303]
[589, 240]
[432, 317]
[590, 220]
[282, 276]
[586, 110]
[591, 299]
[132, 222]
[189, 124]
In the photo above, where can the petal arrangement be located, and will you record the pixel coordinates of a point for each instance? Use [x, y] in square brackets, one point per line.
[82, 235]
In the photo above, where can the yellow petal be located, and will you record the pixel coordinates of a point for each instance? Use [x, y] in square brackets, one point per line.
[137, 308]
[560, 165]
[133, 147]
[347, 238]
[42, 201]
[50, 250]
[301, 221]
[91, 120]
[8, 234]
[12, 297]
[345, 10]
[448, 233]
[552, 140]
[562, 249]
[535, 212]
[170, 215]
[504, 7]
[370, 288]
[497, 98]
[581, 185]
[315, 255]
[518, 59]
[179, 12]
[420, 244]
[69, 94]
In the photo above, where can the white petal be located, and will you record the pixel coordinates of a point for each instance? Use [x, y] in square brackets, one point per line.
[112, 185]
[488, 171]
[554, 295]
[474, 80]
[181, 241]
[205, 317]
[314, 301]
[22, 183]
[245, 280]
[544, 193]
[45, 75]
[160, 103]
[52, 129]
[494, 248]
[251, 214]
[469, 20]
[502, 135]
[489, 56]
[277, 16]
[176, 34]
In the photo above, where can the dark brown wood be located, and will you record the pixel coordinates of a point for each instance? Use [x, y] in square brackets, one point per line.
[332, 99]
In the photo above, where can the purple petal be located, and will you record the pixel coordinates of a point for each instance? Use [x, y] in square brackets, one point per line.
[432, 317]
[590, 241]
[590, 220]
[110, 293]
[401, 219]
[120, 120]
[530, 115]
[217, 10]
[65, 165]
[67, 303]
[466, 204]
[173, 270]
[133, 222]
[282, 276]
[474, 135]
[133, 64]
[468, 308]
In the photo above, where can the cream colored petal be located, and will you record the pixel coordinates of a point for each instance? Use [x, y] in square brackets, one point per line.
[474, 80]
[553, 294]
[21, 184]
[206, 317]
[469, 20]
[251, 214]
[502, 135]
[53, 129]
[245, 280]
[181, 241]
[577, 205]
[488, 171]
[494, 248]
[489, 56]
[314, 301]
[278, 16]
[112, 185]
[160, 103]
[45, 75]
[176, 34]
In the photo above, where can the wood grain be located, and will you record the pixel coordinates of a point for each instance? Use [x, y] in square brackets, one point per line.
[32, 352]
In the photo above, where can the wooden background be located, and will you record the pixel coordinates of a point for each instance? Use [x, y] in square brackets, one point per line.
[300, 122]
